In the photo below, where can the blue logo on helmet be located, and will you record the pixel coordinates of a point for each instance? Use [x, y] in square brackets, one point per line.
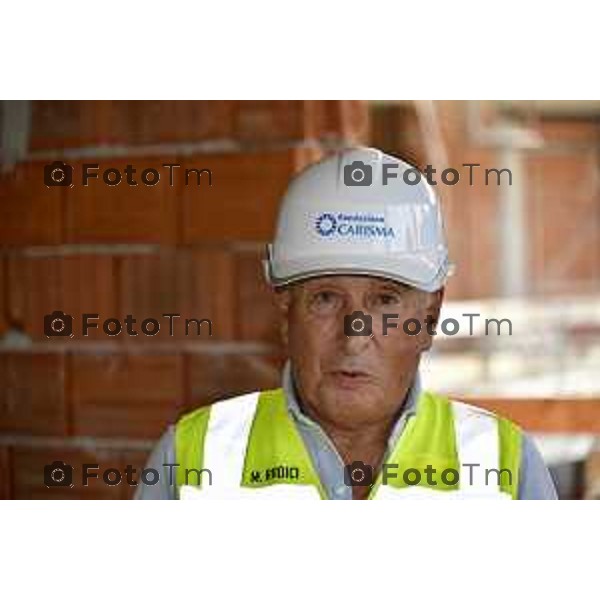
[326, 224]
[353, 225]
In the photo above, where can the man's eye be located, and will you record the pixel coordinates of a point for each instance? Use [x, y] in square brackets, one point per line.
[386, 299]
[325, 297]
[325, 300]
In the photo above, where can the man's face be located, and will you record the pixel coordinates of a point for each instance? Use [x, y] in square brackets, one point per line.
[354, 380]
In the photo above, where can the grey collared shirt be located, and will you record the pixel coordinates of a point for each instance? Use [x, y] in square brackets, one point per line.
[535, 480]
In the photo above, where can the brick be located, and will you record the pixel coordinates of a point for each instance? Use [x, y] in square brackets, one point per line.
[5, 474]
[74, 284]
[343, 120]
[30, 212]
[172, 121]
[99, 212]
[71, 123]
[563, 202]
[582, 132]
[217, 376]
[133, 396]
[269, 120]
[32, 400]
[151, 286]
[452, 119]
[65, 124]
[35, 289]
[29, 466]
[258, 316]
[242, 202]
[196, 284]
[3, 295]
[264, 121]
[203, 120]
[394, 128]
[471, 220]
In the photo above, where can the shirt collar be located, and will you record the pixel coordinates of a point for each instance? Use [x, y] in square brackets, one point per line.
[409, 408]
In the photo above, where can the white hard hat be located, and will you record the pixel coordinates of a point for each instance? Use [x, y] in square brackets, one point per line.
[352, 214]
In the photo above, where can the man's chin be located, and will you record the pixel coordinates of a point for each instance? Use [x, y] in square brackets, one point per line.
[352, 405]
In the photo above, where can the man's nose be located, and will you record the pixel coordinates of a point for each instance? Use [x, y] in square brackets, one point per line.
[356, 344]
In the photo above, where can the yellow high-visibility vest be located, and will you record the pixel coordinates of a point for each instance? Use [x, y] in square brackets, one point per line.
[249, 447]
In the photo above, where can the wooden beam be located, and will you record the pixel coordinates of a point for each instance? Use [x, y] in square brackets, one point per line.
[547, 415]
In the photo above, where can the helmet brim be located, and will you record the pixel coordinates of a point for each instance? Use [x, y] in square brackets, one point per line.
[427, 272]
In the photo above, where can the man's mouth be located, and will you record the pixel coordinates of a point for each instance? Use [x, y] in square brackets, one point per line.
[350, 378]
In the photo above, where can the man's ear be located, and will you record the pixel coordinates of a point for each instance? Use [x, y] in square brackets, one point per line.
[433, 306]
[283, 298]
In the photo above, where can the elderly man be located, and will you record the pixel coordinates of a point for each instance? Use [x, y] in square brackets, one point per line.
[358, 269]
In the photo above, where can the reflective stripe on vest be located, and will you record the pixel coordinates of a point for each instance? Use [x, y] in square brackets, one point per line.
[252, 448]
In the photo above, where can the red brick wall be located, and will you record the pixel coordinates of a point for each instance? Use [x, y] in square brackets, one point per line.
[193, 250]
